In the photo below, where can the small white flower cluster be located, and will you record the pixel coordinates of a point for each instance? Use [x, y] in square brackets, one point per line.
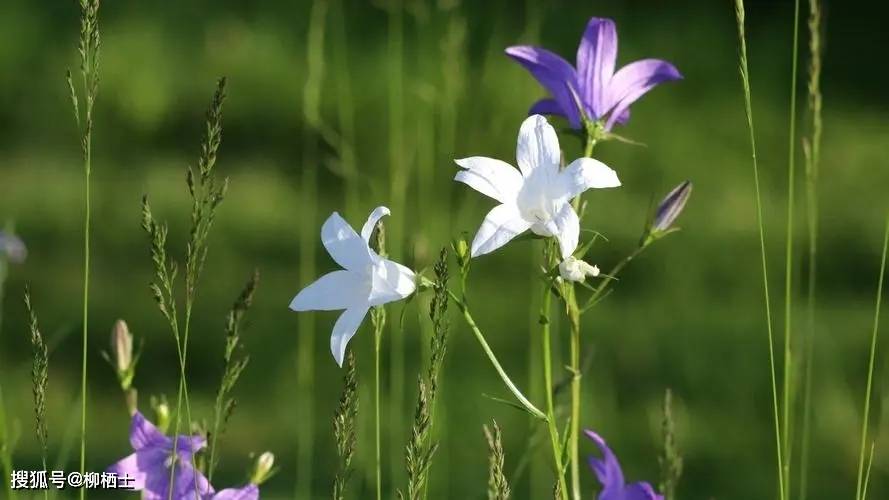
[572, 269]
[537, 196]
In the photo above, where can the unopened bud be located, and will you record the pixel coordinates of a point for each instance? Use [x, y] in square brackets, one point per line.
[161, 413]
[670, 207]
[572, 269]
[462, 253]
[122, 346]
[263, 469]
[12, 248]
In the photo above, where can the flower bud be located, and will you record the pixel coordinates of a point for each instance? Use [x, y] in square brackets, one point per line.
[161, 413]
[670, 207]
[121, 346]
[263, 469]
[572, 269]
[12, 247]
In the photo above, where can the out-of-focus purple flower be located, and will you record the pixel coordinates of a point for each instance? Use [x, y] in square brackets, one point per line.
[13, 248]
[149, 465]
[249, 492]
[604, 93]
[671, 206]
[611, 476]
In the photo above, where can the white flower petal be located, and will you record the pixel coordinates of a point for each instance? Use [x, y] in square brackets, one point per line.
[344, 329]
[490, 177]
[343, 244]
[391, 281]
[331, 292]
[565, 226]
[586, 173]
[374, 217]
[502, 224]
[538, 146]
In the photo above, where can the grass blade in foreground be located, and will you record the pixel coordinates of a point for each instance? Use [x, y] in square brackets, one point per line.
[88, 48]
[812, 153]
[870, 371]
[748, 108]
[789, 361]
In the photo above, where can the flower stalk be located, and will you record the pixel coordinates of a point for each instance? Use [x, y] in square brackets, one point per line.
[88, 48]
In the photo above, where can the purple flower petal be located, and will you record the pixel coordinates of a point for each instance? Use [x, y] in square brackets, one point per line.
[249, 492]
[546, 106]
[632, 82]
[640, 491]
[607, 469]
[144, 434]
[596, 57]
[140, 465]
[188, 484]
[554, 73]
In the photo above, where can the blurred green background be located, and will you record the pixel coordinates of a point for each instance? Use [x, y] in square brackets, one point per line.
[343, 105]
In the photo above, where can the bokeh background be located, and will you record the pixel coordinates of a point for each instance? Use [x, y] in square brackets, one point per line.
[345, 105]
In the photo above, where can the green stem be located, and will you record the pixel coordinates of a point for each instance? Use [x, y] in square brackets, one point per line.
[552, 426]
[467, 316]
[812, 155]
[574, 435]
[379, 324]
[87, 160]
[870, 371]
[788, 263]
[748, 109]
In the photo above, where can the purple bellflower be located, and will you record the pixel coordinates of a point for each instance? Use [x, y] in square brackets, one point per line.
[149, 465]
[611, 476]
[605, 94]
[249, 492]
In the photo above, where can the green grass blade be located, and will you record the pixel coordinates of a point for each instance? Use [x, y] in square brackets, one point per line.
[748, 108]
[870, 370]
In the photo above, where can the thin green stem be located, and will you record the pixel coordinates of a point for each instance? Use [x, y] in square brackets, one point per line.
[788, 263]
[574, 434]
[748, 109]
[378, 337]
[812, 149]
[467, 316]
[87, 160]
[552, 426]
[870, 370]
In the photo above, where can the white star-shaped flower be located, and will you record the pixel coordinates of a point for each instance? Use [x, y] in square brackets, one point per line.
[538, 195]
[366, 280]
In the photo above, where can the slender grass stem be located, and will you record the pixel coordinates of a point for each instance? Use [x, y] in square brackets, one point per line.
[86, 290]
[470, 321]
[748, 108]
[789, 361]
[811, 148]
[870, 369]
[552, 425]
[379, 322]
